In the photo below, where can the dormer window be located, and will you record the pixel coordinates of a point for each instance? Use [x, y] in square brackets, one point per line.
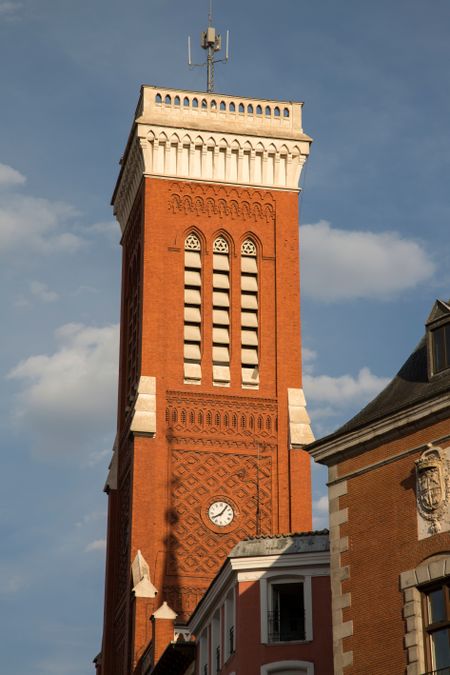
[438, 338]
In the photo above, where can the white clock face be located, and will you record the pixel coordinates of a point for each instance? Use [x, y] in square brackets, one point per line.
[221, 513]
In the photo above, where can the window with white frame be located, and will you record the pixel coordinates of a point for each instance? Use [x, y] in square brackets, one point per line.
[286, 614]
[288, 668]
[436, 620]
[229, 635]
[216, 660]
[426, 609]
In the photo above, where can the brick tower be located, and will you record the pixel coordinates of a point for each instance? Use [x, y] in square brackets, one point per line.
[211, 414]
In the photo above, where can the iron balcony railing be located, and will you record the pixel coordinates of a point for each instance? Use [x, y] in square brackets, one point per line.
[284, 628]
[217, 659]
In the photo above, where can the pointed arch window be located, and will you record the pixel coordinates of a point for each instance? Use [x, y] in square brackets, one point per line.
[249, 315]
[221, 312]
[192, 310]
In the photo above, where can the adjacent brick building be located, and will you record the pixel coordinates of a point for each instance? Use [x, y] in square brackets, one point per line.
[389, 492]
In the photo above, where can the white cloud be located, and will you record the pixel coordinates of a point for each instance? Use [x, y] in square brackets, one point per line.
[97, 545]
[344, 389]
[9, 9]
[8, 176]
[39, 225]
[68, 398]
[42, 292]
[345, 265]
[109, 229]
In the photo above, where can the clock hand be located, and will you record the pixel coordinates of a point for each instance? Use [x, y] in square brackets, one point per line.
[223, 511]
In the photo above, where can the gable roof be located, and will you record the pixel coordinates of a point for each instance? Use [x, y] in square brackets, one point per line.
[411, 386]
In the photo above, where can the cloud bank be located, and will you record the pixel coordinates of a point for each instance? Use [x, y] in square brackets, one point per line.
[68, 398]
[344, 265]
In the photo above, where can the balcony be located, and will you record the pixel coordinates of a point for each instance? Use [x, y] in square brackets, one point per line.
[286, 627]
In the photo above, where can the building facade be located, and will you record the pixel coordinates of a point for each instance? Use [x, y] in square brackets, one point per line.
[268, 611]
[212, 419]
[389, 492]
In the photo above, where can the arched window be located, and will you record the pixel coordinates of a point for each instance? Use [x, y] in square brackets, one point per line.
[286, 112]
[268, 111]
[177, 100]
[232, 107]
[192, 309]
[158, 99]
[167, 100]
[223, 105]
[195, 103]
[258, 110]
[241, 108]
[249, 315]
[250, 109]
[204, 104]
[221, 312]
[276, 112]
[186, 102]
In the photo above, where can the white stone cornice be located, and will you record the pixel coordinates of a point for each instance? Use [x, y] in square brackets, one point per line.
[329, 451]
[205, 143]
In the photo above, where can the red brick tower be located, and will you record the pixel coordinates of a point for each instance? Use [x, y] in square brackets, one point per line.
[211, 414]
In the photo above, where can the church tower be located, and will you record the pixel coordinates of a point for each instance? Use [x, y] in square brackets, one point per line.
[211, 413]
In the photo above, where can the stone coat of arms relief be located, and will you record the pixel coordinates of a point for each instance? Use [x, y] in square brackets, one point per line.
[433, 491]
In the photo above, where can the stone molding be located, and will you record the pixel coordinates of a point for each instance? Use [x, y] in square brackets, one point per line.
[435, 568]
[300, 432]
[213, 145]
[339, 573]
[144, 413]
[140, 571]
[339, 448]
[164, 612]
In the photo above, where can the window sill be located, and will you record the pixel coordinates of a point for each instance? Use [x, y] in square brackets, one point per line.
[288, 642]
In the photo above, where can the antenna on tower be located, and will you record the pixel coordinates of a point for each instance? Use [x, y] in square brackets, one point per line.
[211, 42]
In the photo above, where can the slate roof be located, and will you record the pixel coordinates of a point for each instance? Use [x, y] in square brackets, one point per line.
[409, 387]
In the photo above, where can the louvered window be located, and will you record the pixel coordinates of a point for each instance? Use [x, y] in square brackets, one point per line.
[192, 310]
[221, 313]
[249, 315]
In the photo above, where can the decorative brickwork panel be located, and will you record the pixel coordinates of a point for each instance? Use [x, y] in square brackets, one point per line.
[197, 479]
[229, 421]
[223, 202]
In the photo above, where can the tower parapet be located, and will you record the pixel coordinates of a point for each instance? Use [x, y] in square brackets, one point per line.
[214, 138]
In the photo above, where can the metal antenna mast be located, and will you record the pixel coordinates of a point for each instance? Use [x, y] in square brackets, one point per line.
[211, 42]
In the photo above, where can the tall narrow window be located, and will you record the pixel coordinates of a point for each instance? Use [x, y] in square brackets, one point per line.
[221, 312]
[287, 616]
[437, 627]
[249, 316]
[192, 310]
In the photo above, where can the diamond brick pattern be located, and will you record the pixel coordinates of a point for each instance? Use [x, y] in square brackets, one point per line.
[195, 550]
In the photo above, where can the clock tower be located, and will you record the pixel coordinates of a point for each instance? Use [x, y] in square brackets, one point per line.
[211, 414]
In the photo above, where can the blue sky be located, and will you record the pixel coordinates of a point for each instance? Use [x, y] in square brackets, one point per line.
[375, 212]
